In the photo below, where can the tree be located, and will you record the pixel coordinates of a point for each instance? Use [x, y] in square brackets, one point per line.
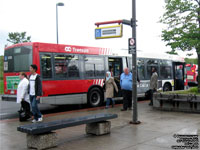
[182, 19]
[16, 37]
[191, 61]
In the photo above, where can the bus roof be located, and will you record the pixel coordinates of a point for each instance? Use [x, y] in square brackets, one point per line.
[164, 56]
[62, 48]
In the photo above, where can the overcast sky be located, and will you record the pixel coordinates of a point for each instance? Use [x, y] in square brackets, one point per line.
[77, 19]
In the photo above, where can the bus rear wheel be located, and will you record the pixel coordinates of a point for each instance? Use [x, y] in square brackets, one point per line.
[167, 87]
[95, 97]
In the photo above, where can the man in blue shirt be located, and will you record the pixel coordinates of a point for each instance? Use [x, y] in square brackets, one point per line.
[126, 86]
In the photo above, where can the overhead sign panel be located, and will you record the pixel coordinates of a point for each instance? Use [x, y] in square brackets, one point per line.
[108, 32]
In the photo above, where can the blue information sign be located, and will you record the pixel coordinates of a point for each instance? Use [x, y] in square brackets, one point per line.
[97, 33]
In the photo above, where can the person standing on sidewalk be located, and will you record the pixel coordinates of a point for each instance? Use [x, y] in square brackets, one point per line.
[153, 84]
[109, 87]
[126, 86]
[35, 91]
[23, 97]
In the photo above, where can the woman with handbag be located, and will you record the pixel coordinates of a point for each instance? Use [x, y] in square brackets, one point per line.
[109, 87]
[23, 97]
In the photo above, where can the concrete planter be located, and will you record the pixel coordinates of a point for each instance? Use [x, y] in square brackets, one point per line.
[177, 102]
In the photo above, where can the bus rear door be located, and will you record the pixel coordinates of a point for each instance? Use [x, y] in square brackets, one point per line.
[178, 75]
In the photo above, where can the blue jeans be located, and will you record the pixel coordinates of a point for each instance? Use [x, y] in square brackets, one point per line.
[34, 105]
[108, 102]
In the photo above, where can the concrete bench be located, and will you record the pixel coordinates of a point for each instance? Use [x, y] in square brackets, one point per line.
[187, 102]
[177, 102]
[165, 99]
[40, 135]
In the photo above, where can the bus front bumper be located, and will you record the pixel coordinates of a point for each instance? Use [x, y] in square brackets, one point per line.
[11, 98]
[192, 83]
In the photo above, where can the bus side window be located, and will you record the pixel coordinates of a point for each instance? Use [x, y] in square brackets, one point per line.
[94, 66]
[46, 66]
[151, 63]
[73, 68]
[166, 69]
[66, 66]
[141, 69]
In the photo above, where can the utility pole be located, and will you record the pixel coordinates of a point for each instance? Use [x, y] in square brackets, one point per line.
[134, 66]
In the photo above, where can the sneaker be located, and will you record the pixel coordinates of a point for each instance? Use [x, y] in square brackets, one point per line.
[150, 104]
[40, 119]
[123, 109]
[34, 121]
[113, 105]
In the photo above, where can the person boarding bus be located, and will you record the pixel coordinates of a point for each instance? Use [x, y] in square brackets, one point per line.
[109, 86]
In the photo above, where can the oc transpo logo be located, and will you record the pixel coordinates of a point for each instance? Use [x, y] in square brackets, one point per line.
[68, 49]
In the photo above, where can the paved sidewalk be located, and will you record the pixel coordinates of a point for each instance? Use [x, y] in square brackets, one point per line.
[156, 132]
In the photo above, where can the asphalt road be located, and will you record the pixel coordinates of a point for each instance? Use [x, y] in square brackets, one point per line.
[9, 110]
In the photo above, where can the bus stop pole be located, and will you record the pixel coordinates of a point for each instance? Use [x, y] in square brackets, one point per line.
[134, 66]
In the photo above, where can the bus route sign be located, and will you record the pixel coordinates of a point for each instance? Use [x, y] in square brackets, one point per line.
[108, 32]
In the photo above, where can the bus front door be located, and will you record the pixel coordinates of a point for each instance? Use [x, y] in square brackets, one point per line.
[178, 74]
[115, 67]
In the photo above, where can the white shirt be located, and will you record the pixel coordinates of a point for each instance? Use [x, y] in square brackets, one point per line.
[32, 84]
[22, 90]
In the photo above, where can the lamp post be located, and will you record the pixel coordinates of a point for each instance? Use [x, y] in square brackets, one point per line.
[58, 4]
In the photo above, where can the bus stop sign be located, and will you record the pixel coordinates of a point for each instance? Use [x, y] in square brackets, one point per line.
[131, 46]
[108, 32]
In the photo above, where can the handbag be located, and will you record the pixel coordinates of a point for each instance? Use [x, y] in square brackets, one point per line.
[23, 116]
[148, 94]
[104, 87]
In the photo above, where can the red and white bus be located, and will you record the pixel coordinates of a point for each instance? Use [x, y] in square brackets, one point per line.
[74, 74]
[192, 73]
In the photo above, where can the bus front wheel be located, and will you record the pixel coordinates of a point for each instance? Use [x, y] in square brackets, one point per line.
[95, 97]
[167, 87]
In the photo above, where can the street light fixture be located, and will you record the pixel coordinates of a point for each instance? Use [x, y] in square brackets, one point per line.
[58, 4]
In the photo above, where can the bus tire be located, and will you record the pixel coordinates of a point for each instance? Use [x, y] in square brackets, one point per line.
[167, 87]
[95, 97]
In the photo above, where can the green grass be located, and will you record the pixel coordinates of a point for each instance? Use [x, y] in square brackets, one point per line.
[193, 90]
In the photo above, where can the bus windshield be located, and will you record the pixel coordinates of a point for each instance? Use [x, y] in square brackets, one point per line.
[188, 68]
[18, 59]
